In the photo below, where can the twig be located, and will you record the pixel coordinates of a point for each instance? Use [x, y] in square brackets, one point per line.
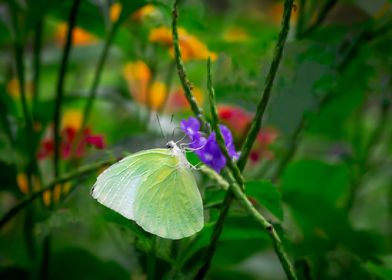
[256, 123]
[60, 85]
[186, 85]
[28, 200]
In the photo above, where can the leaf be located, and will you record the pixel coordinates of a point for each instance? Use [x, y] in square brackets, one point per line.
[329, 182]
[235, 229]
[267, 195]
[381, 272]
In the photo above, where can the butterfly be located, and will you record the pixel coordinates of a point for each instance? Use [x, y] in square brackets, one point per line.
[156, 189]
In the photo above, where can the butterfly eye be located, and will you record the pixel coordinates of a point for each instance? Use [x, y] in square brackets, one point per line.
[169, 145]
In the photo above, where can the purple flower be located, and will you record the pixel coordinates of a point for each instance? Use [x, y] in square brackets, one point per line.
[229, 141]
[207, 149]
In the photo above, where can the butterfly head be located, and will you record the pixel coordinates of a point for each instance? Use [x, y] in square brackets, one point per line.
[170, 145]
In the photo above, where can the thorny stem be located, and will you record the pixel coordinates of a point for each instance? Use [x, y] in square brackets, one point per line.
[278, 52]
[254, 129]
[186, 85]
[28, 200]
[237, 187]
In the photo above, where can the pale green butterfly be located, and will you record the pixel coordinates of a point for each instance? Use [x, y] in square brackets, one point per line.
[156, 189]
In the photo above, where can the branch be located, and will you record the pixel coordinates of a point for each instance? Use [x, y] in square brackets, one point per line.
[256, 123]
[237, 187]
[186, 85]
[28, 200]
[60, 85]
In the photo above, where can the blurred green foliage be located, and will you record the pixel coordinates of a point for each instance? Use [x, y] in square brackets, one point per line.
[324, 180]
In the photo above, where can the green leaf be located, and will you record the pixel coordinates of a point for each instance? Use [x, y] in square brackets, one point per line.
[267, 195]
[328, 182]
[381, 272]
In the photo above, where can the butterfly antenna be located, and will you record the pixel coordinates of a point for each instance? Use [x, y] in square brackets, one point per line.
[171, 121]
[160, 128]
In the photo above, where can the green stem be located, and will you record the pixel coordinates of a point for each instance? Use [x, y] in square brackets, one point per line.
[186, 85]
[37, 63]
[326, 8]
[301, 18]
[28, 123]
[237, 187]
[60, 85]
[278, 52]
[364, 157]
[33, 196]
[97, 75]
[151, 259]
[365, 36]
[277, 243]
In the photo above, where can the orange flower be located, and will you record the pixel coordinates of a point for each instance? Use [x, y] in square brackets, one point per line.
[23, 184]
[138, 76]
[115, 11]
[235, 35]
[55, 194]
[191, 47]
[72, 118]
[14, 89]
[143, 12]
[80, 37]
[178, 102]
[275, 12]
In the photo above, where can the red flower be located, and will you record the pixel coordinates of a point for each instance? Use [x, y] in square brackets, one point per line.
[239, 120]
[68, 141]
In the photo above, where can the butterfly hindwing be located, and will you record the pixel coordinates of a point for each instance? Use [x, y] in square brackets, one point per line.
[169, 204]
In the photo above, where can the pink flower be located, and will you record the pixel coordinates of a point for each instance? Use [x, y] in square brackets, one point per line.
[68, 141]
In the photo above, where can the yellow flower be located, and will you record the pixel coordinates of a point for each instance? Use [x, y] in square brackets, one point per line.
[144, 11]
[14, 89]
[80, 37]
[235, 35]
[138, 75]
[191, 47]
[23, 184]
[54, 195]
[115, 11]
[157, 95]
[72, 118]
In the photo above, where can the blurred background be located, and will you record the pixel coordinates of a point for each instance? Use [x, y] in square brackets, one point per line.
[97, 73]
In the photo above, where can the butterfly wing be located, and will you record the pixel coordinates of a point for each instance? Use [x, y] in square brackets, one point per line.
[117, 186]
[168, 203]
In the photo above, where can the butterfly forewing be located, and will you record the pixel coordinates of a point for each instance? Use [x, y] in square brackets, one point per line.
[116, 187]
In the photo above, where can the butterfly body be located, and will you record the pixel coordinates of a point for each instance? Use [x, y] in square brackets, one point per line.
[156, 189]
